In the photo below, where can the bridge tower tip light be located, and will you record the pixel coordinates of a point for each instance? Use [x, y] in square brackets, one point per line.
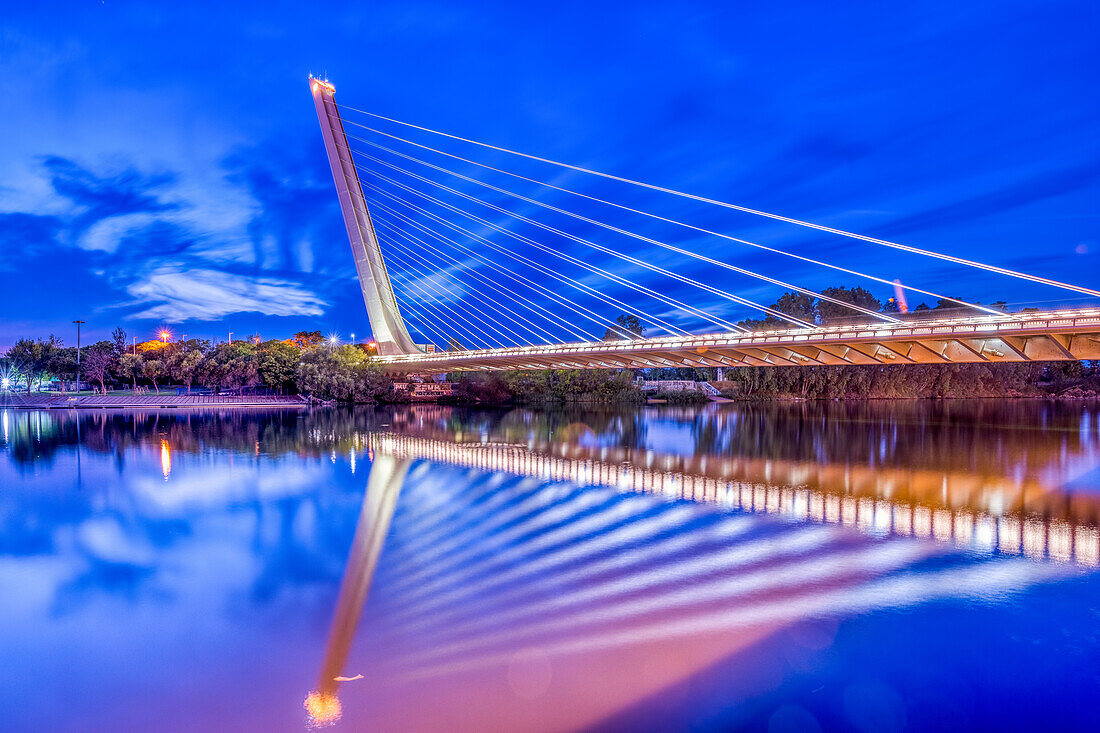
[315, 83]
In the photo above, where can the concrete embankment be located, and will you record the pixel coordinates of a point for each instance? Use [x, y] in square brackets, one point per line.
[86, 402]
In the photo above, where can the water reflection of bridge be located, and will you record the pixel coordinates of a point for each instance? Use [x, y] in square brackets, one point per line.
[986, 513]
[551, 587]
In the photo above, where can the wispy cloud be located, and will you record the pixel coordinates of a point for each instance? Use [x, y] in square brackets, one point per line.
[168, 244]
[178, 295]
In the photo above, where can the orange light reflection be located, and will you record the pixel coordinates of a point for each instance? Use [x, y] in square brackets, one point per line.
[165, 459]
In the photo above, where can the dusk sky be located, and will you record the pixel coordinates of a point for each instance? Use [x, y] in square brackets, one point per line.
[162, 164]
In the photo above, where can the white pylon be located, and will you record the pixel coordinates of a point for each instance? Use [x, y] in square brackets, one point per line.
[390, 333]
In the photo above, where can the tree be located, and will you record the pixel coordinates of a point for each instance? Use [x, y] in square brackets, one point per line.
[184, 362]
[152, 369]
[629, 327]
[232, 365]
[276, 362]
[797, 305]
[118, 342]
[308, 339]
[129, 366]
[833, 312]
[794, 304]
[62, 365]
[947, 304]
[343, 373]
[32, 358]
[97, 363]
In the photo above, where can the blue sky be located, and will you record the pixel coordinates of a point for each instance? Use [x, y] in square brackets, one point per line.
[162, 164]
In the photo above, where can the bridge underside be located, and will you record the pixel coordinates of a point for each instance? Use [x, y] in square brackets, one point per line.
[1053, 336]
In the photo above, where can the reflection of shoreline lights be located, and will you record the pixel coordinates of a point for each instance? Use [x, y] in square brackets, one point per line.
[165, 459]
[323, 709]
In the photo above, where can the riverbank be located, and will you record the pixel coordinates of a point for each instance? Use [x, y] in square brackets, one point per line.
[106, 402]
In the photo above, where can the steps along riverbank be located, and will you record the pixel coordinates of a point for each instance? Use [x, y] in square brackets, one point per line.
[11, 400]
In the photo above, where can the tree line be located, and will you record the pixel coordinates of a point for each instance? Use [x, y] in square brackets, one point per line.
[305, 364]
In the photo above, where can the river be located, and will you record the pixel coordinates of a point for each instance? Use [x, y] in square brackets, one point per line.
[856, 566]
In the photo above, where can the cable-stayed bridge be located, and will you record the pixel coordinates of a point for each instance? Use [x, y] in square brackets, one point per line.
[496, 265]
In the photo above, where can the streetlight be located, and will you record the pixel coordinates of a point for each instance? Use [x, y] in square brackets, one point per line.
[78, 324]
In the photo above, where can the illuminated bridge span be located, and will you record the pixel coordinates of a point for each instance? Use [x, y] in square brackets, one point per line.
[986, 513]
[504, 263]
[1034, 337]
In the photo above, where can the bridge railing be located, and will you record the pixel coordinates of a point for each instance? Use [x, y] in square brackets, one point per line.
[1051, 321]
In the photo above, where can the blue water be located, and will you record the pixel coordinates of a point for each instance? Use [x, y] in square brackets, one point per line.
[857, 567]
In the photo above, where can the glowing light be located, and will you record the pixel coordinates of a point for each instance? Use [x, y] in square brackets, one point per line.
[5, 383]
[323, 709]
[165, 459]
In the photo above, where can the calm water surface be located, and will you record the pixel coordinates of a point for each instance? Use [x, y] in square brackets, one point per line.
[794, 567]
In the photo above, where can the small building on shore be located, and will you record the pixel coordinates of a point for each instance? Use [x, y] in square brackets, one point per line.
[426, 391]
[669, 385]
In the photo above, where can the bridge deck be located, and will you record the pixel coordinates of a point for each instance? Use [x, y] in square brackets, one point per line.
[1049, 336]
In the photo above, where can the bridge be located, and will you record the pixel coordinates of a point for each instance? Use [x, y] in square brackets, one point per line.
[489, 285]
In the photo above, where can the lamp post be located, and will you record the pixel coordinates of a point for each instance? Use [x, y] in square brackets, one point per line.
[78, 324]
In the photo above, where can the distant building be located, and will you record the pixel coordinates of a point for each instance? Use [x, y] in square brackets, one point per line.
[425, 391]
[669, 385]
